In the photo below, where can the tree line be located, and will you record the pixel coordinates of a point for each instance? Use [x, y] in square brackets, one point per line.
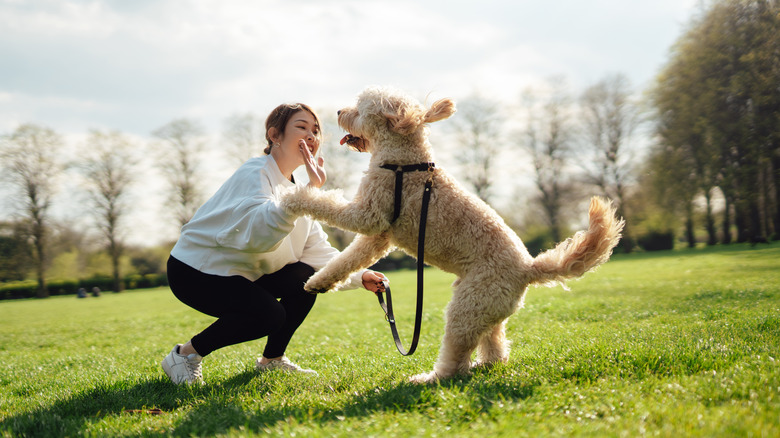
[717, 115]
[696, 154]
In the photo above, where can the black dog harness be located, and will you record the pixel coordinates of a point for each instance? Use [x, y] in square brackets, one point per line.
[399, 182]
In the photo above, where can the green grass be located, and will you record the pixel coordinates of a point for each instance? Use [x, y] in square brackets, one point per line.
[677, 343]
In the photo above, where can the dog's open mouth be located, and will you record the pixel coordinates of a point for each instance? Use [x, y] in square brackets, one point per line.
[353, 142]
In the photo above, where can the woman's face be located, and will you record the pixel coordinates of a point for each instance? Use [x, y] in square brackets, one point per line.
[301, 126]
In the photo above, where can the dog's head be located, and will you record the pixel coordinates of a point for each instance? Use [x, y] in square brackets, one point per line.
[384, 116]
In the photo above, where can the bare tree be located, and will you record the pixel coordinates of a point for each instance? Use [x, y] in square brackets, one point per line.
[609, 118]
[180, 148]
[478, 127]
[547, 139]
[109, 170]
[244, 135]
[30, 161]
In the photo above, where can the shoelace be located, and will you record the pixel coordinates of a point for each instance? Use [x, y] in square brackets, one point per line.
[194, 369]
[285, 363]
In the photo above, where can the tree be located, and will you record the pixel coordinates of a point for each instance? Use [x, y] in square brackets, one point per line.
[609, 118]
[718, 101]
[181, 145]
[109, 170]
[30, 161]
[547, 139]
[478, 127]
[244, 135]
[15, 252]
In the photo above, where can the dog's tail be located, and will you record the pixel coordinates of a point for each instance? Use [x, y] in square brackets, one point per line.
[584, 251]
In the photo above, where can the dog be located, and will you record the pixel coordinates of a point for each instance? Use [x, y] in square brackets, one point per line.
[464, 235]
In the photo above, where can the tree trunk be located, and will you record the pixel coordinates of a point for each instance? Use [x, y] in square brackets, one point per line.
[754, 223]
[776, 188]
[741, 220]
[712, 234]
[726, 238]
[689, 230]
[116, 253]
[40, 259]
[118, 286]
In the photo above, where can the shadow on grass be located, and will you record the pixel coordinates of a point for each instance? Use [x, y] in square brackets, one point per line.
[215, 409]
[391, 399]
[70, 416]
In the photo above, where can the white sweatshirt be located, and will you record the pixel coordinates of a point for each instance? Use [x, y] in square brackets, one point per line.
[243, 231]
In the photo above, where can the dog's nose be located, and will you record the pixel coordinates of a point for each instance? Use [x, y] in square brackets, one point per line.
[338, 113]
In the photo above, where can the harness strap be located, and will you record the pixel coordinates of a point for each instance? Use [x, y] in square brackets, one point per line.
[420, 256]
[399, 180]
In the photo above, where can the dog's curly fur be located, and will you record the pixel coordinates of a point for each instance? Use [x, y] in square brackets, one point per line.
[464, 235]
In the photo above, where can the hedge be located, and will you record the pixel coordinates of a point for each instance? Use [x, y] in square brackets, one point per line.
[657, 241]
[29, 288]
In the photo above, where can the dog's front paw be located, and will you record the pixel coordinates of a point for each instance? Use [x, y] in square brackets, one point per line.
[316, 286]
[294, 201]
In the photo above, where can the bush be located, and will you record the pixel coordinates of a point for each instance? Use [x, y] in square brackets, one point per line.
[63, 287]
[27, 289]
[101, 282]
[137, 281]
[657, 241]
[18, 289]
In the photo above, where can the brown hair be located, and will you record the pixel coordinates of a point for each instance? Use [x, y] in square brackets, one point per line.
[281, 115]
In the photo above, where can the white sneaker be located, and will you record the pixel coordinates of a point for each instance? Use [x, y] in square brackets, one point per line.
[181, 368]
[283, 364]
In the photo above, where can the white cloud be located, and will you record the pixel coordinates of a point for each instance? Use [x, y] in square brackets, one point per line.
[152, 61]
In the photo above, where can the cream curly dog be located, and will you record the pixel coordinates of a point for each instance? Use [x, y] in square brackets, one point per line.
[464, 235]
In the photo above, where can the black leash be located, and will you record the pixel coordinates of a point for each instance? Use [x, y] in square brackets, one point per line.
[399, 174]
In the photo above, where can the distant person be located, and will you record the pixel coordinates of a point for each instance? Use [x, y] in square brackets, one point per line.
[241, 252]
[95, 291]
[81, 293]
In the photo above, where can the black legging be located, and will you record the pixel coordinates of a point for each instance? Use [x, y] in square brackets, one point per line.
[246, 310]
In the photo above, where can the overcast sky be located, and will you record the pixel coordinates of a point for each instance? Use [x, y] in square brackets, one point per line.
[135, 65]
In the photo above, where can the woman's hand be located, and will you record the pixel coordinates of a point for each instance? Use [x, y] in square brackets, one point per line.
[315, 170]
[372, 281]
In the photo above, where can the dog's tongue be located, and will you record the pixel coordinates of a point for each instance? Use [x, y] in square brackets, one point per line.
[349, 139]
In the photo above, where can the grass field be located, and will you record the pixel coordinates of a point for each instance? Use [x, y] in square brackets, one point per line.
[683, 343]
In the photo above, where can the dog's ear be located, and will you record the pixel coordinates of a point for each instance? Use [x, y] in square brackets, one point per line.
[404, 119]
[440, 110]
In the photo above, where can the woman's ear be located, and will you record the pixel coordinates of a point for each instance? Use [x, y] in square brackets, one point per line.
[274, 135]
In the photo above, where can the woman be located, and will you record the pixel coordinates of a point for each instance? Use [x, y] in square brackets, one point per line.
[241, 252]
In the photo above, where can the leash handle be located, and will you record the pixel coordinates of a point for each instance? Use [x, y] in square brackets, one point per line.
[390, 316]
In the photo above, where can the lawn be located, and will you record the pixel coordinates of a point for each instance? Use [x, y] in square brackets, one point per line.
[682, 343]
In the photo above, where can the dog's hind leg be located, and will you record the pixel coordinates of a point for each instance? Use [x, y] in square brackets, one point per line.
[363, 252]
[471, 315]
[493, 346]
